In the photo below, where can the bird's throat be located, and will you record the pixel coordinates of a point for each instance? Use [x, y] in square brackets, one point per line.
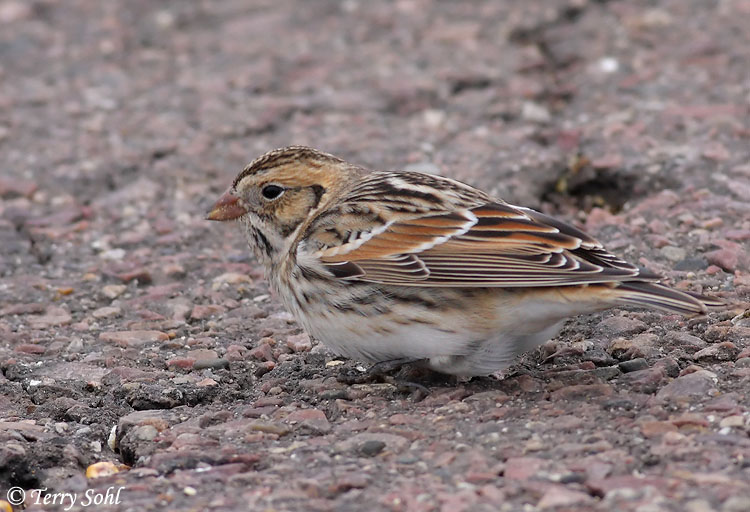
[265, 244]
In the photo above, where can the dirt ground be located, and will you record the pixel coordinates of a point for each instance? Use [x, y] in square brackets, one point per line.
[134, 332]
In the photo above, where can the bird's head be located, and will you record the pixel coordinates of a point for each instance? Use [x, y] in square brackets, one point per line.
[278, 192]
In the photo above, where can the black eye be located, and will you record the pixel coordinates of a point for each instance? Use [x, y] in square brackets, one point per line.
[272, 191]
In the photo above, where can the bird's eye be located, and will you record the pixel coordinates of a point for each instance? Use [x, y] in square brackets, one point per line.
[272, 191]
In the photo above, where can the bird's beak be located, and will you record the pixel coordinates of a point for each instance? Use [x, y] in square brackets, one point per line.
[228, 207]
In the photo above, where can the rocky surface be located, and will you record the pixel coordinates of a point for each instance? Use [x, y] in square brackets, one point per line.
[134, 333]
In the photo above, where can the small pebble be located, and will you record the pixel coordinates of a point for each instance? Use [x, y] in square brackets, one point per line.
[725, 351]
[106, 312]
[112, 291]
[609, 64]
[633, 365]
[673, 253]
[101, 469]
[371, 448]
[133, 338]
[215, 364]
[145, 433]
[534, 112]
[699, 384]
[735, 421]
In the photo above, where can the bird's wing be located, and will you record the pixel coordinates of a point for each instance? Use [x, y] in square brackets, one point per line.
[402, 230]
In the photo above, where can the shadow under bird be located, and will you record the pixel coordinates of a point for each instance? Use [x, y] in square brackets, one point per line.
[383, 266]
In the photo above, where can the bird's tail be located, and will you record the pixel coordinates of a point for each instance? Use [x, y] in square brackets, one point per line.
[658, 296]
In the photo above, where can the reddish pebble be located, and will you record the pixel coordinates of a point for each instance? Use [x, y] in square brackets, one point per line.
[299, 343]
[235, 353]
[185, 363]
[262, 352]
[201, 354]
[560, 496]
[202, 312]
[522, 468]
[309, 419]
[723, 258]
[657, 428]
[621, 325]
[142, 275]
[30, 348]
[738, 234]
[690, 419]
[133, 338]
[17, 187]
[582, 392]
[598, 218]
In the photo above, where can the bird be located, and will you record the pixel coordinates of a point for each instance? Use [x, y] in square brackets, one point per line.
[400, 266]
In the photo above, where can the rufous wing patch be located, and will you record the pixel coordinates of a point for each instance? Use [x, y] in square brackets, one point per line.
[490, 245]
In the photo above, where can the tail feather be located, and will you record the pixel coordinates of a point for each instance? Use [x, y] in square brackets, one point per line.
[658, 296]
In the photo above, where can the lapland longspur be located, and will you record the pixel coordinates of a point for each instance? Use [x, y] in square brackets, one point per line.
[384, 266]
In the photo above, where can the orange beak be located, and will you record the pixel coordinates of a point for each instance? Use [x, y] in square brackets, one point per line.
[228, 207]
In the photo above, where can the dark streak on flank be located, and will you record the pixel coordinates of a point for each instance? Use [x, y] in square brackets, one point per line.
[310, 274]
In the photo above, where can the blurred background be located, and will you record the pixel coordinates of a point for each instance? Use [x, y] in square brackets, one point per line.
[598, 101]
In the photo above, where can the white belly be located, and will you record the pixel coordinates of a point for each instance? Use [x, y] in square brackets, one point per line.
[459, 331]
[451, 341]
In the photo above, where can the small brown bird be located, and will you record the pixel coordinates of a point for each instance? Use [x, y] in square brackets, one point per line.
[382, 266]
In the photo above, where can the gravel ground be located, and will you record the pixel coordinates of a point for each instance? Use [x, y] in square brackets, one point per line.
[134, 333]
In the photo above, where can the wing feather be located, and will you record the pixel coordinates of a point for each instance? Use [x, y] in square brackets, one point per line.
[460, 238]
